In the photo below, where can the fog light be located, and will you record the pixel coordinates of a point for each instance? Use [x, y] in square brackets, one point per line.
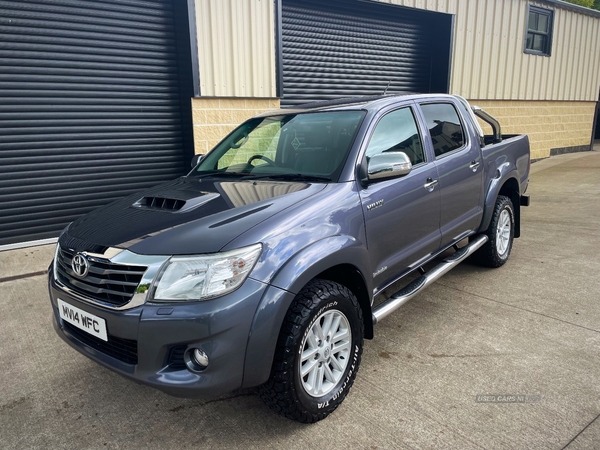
[200, 358]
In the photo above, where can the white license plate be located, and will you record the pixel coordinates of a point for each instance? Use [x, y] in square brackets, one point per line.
[94, 325]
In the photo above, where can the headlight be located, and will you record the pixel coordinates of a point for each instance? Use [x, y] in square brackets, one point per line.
[185, 278]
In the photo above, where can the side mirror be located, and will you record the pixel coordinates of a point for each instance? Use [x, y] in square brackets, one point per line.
[196, 160]
[388, 165]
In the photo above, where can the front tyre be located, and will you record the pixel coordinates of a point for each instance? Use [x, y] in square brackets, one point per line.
[501, 232]
[318, 353]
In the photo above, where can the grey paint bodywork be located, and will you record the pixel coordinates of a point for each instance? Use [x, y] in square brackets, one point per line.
[304, 233]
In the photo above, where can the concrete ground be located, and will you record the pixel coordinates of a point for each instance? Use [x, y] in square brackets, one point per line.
[530, 328]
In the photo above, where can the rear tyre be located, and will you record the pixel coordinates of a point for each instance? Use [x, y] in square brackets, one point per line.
[318, 353]
[501, 232]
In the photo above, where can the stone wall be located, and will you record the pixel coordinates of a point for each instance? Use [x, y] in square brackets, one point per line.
[553, 127]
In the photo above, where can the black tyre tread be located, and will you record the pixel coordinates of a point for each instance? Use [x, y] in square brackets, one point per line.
[487, 255]
[275, 392]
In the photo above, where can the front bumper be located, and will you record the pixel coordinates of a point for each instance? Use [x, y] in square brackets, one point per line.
[154, 338]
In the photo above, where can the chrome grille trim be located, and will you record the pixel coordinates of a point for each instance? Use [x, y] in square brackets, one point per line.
[118, 283]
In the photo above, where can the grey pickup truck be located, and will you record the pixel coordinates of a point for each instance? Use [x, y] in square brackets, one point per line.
[264, 266]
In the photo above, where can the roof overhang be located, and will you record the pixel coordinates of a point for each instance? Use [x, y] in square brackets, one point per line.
[573, 7]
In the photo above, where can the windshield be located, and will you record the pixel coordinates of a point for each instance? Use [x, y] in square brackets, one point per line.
[292, 146]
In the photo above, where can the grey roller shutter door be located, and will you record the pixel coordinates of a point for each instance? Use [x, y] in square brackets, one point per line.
[349, 48]
[89, 108]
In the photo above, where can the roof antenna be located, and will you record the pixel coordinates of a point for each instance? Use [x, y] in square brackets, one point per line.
[386, 88]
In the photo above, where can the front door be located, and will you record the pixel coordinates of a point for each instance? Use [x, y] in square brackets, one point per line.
[402, 214]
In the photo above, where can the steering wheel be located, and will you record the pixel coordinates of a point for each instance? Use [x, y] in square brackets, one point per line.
[264, 158]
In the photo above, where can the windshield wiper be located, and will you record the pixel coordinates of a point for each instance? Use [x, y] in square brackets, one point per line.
[221, 174]
[273, 176]
[297, 177]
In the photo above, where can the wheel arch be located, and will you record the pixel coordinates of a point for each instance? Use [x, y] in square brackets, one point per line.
[505, 183]
[328, 259]
[349, 276]
[510, 189]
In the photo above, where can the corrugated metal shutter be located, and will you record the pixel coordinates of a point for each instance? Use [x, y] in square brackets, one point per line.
[89, 108]
[333, 49]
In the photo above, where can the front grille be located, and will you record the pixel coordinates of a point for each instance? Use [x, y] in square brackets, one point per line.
[106, 282]
[122, 349]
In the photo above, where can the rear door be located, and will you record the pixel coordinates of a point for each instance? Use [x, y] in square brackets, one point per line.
[402, 215]
[459, 165]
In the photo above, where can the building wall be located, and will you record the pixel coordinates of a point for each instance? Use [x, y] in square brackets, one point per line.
[488, 61]
[236, 47]
[236, 58]
[553, 127]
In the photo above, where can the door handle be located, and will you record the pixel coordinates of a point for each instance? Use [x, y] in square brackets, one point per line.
[430, 185]
[474, 165]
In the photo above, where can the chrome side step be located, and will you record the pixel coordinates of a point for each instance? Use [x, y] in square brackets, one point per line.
[408, 292]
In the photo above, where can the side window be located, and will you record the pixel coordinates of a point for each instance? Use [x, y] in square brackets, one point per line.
[397, 132]
[444, 126]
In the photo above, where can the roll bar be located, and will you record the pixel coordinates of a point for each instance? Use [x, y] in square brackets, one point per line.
[491, 120]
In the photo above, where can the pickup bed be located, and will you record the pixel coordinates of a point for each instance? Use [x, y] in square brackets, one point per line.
[261, 266]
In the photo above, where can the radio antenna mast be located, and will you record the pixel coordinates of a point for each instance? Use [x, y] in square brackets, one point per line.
[386, 88]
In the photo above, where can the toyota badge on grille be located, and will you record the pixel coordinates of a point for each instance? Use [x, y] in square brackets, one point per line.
[80, 265]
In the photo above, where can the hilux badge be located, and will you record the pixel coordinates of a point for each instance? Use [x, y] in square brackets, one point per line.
[80, 265]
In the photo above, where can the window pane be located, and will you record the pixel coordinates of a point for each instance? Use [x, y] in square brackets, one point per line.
[538, 22]
[539, 43]
[445, 128]
[542, 23]
[529, 44]
[397, 132]
[308, 144]
[532, 21]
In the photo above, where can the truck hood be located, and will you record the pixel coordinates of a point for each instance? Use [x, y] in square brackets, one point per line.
[184, 216]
